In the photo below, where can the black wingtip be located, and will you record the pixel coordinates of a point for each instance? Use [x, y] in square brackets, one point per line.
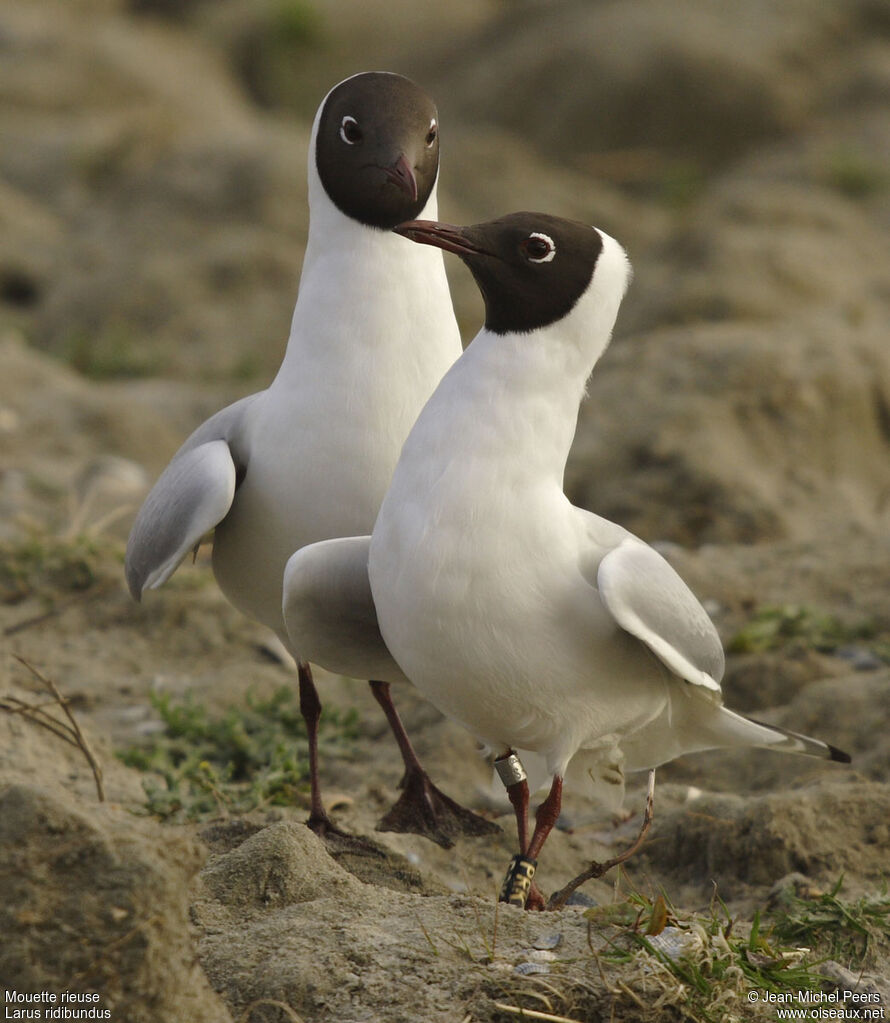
[134, 584]
[839, 755]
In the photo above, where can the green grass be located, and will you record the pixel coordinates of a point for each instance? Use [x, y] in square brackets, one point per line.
[272, 51]
[848, 931]
[116, 353]
[712, 955]
[295, 23]
[716, 962]
[773, 627]
[47, 566]
[650, 960]
[206, 764]
[856, 174]
[680, 184]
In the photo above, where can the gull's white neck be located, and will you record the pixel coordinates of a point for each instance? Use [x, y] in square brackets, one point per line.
[369, 301]
[364, 287]
[510, 405]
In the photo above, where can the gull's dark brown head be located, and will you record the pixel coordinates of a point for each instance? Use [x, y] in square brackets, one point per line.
[530, 267]
[377, 148]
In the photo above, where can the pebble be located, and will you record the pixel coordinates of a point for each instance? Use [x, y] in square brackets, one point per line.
[531, 969]
[674, 942]
[859, 658]
[10, 420]
[540, 955]
[579, 898]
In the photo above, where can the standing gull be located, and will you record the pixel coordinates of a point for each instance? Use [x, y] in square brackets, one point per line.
[533, 623]
[310, 457]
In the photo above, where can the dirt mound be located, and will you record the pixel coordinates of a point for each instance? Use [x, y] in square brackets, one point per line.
[823, 830]
[284, 924]
[146, 207]
[281, 865]
[739, 432]
[707, 85]
[119, 897]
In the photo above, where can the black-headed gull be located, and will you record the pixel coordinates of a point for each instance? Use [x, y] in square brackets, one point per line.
[533, 623]
[310, 457]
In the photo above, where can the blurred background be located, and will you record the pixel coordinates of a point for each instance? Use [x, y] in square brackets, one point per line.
[152, 202]
[153, 212]
[152, 223]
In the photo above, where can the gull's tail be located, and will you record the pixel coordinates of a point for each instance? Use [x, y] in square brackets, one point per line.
[694, 725]
[739, 730]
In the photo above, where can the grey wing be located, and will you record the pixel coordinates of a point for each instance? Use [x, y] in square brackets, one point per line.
[649, 600]
[329, 611]
[192, 495]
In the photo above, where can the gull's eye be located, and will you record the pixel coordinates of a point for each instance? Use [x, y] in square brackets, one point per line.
[350, 131]
[538, 247]
[432, 134]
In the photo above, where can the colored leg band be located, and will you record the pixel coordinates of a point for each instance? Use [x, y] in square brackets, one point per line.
[518, 882]
[510, 770]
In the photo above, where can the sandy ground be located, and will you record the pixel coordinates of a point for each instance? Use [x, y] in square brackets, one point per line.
[153, 202]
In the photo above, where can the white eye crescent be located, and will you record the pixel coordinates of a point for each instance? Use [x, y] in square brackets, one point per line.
[350, 131]
[432, 133]
[539, 247]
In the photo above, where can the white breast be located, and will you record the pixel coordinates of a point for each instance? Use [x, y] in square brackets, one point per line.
[372, 334]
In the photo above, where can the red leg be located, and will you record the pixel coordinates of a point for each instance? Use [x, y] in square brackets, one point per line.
[423, 809]
[310, 708]
[512, 774]
[381, 691]
[518, 796]
[546, 818]
[339, 841]
[517, 793]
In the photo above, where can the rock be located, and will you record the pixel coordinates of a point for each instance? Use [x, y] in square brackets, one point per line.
[871, 989]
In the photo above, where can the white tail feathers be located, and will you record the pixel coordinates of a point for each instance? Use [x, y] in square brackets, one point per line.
[743, 731]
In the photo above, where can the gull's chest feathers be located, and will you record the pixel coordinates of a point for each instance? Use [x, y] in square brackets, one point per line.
[373, 332]
[469, 525]
[483, 463]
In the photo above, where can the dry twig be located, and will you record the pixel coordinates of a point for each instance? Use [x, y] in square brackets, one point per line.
[518, 1010]
[66, 731]
[560, 898]
[291, 1015]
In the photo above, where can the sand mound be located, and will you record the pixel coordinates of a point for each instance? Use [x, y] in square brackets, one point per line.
[94, 903]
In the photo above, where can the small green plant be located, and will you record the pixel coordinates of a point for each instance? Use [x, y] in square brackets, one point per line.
[115, 353]
[251, 756]
[658, 962]
[856, 174]
[849, 931]
[775, 626]
[44, 565]
[712, 961]
[681, 183]
[295, 23]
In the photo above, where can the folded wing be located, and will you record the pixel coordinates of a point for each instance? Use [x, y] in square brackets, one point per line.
[650, 601]
[329, 611]
[192, 495]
